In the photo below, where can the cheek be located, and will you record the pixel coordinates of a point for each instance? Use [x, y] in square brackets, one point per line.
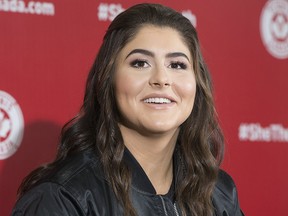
[127, 87]
[120, 86]
[187, 89]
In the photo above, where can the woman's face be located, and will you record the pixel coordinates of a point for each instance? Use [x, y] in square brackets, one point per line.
[154, 81]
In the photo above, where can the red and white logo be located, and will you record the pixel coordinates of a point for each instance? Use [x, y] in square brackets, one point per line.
[274, 28]
[11, 125]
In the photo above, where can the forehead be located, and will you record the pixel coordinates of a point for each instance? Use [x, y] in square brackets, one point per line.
[157, 39]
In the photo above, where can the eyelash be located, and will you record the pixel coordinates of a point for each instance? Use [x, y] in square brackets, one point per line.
[136, 63]
[179, 65]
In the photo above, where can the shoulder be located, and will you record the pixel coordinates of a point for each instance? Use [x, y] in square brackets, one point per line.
[44, 197]
[76, 169]
[225, 184]
[225, 196]
[66, 189]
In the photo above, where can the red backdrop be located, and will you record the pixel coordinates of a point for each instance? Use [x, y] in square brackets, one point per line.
[47, 48]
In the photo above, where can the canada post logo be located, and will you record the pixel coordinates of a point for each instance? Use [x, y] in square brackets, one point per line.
[11, 125]
[274, 28]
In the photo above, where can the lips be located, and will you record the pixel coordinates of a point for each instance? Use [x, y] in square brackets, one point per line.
[158, 100]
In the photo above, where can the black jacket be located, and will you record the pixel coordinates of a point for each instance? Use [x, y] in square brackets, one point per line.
[79, 188]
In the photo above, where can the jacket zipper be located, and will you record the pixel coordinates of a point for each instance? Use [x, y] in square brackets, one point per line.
[165, 210]
[175, 209]
[164, 207]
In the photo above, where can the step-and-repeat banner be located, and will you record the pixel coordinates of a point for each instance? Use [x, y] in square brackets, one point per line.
[47, 48]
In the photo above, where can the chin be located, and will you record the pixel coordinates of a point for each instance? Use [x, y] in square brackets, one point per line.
[160, 129]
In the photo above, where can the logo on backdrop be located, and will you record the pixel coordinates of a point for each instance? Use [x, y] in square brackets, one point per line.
[255, 132]
[107, 12]
[274, 28]
[32, 7]
[11, 125]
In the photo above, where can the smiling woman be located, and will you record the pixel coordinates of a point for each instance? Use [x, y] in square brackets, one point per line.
[146, 140]
[150, 70]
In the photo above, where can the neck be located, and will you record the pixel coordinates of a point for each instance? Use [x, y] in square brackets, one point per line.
[154, 154]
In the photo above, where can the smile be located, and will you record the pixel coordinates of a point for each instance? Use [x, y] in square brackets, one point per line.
[157, 100]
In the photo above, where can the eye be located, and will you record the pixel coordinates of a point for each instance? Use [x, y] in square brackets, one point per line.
[178, 65]
[138, 63]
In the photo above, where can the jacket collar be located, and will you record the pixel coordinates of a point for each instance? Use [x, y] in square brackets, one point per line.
[139, 178]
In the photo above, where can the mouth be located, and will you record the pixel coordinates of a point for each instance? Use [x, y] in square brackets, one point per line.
[157, 100]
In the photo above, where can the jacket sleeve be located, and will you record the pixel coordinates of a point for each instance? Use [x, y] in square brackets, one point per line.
[47, 199]
[225, 196]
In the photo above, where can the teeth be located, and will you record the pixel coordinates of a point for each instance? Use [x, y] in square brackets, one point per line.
[157, 100]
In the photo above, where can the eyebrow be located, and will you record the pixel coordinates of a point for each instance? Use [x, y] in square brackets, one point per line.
[149, 53]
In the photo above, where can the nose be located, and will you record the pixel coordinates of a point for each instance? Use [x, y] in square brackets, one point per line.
[160, 77]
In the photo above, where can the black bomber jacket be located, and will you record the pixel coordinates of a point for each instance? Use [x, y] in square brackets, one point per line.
[79, 188]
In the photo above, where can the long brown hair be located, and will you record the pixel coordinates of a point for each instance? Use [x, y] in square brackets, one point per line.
[95, 128]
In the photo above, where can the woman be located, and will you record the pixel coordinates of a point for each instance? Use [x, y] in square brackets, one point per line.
[146, 140]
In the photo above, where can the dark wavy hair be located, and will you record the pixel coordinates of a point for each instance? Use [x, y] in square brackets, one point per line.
[200, 141]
